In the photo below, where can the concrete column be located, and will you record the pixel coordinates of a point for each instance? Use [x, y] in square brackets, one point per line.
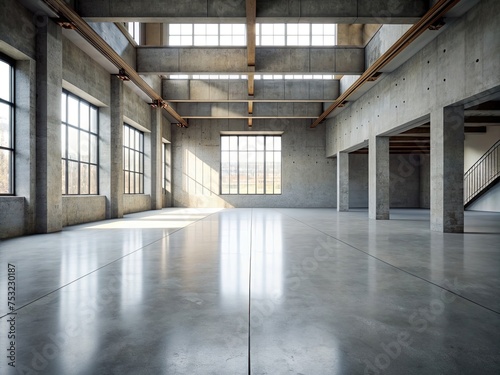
[156, 159]
[378, 178]
[342, 181]
[116, 148]
[25, 112]
[48, 128]
[447, 170]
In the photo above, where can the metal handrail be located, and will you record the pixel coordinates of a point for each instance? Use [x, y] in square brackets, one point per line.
[485, 171]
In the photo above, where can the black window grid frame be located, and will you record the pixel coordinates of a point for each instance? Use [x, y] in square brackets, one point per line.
[79, 161]
[12, 105]
[265, 166]
[129, 151]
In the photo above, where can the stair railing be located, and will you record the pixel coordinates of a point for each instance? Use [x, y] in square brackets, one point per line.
[484, 172]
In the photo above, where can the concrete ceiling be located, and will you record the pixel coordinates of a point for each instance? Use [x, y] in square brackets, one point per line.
[417, 140]
[273, 98]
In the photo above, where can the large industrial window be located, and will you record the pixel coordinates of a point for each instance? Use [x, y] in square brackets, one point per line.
[296, 34]
[166, 168]
[267, 34]
[207, 34]
[250, 164]
[133, 160]
[6, 127]
[79, 146]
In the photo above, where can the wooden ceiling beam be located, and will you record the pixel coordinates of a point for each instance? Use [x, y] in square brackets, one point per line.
[251, 6]
[251, 81]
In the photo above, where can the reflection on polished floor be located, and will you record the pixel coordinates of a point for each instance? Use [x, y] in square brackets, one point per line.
[265, 291]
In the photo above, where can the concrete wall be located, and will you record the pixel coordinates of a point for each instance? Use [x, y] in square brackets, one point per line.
[476, 144]
[355, 34]
[336, 60]
[83, 76]
[308, 178]
[183, 89]
[490, 201]
[458, 66]
[117, 40]
[406, 188]
[358, 181]
[404, 181]
[12, 217]
[425, 181]
[83, 209]
[18, 28]
[383, 39]
[136, 109]
[80, 74]
[136, 203]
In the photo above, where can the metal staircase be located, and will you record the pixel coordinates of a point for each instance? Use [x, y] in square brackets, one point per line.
[482, 175]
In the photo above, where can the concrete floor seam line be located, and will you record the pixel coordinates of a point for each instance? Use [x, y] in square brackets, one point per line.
[105, 265]
[396, 267]
[250, 292]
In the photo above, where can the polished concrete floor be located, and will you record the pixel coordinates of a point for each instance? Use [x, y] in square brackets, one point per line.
[261, 291]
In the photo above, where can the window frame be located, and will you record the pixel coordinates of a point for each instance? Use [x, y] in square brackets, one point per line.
[134, 30]
[285, 38]
[65, 158]
[264, 151]
[195, 36]
[166, 183]
[288, 36]
[129, 150]
[12, 104]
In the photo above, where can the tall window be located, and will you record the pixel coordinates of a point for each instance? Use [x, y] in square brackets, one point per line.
[166, 168]
[133, 160]
[250, 164]
[6, 127]
[79, 145]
